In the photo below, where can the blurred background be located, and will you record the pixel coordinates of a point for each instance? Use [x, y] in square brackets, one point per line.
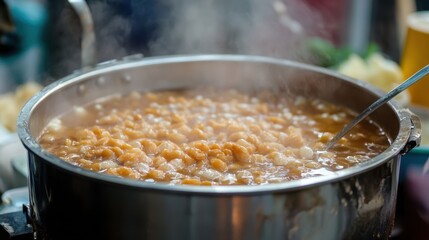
[40, 42]
[46, 40]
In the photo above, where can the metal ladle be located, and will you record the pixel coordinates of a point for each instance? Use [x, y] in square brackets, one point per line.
[88, 52]
[382, 100]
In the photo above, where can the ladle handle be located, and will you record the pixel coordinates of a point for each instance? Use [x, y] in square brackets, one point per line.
[88, 49]
[407, 83]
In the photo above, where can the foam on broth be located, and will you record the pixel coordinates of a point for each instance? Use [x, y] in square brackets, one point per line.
[210, 137]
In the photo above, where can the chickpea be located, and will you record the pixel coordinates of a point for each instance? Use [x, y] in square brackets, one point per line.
[240, 153]
[196, 154]
[219, 164]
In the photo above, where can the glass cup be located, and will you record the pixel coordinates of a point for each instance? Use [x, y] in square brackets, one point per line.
[415, 55]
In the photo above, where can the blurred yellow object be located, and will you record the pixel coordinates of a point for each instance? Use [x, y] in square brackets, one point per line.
[354, 67]
[11, 104]
[415, 55]
[376, 70]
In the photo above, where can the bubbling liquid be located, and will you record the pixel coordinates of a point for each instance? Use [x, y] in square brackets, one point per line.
[210, 137]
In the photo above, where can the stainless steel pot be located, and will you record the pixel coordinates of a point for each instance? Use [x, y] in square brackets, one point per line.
[68, 202]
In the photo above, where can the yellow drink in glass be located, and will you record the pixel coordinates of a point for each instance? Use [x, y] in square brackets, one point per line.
[415, 55]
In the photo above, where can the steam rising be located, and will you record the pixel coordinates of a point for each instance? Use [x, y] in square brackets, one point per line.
[274, 28]
[270, 28]
[112, 30]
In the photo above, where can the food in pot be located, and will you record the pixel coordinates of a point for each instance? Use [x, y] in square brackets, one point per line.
[210, 137]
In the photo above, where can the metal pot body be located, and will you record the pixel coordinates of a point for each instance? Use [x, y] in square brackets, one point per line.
[68, 202]
[69, 206]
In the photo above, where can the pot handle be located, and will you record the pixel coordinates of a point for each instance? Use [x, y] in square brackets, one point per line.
[15, 225]
[88, 51]
[415, 135]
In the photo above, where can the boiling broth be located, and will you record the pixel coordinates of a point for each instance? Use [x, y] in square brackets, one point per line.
[210, 137]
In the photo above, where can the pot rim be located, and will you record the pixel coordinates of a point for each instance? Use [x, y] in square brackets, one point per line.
[33, 147]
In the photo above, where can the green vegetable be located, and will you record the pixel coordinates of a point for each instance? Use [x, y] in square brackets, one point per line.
[327, 55]
[372, 48]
